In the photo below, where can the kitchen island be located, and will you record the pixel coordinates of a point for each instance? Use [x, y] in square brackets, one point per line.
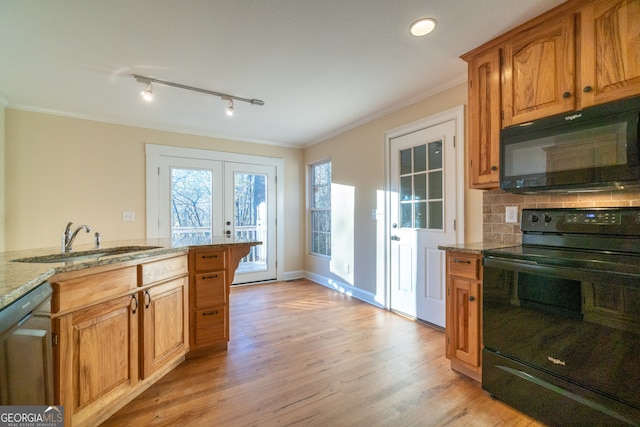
[125, 314]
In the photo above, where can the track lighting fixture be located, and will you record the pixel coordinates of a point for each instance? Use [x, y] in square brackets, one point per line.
[147, 93]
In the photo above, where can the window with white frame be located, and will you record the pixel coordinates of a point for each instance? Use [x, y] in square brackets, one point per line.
[320, 206]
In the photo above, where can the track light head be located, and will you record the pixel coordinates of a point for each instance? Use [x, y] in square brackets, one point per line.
[147, 93]
[229, 107]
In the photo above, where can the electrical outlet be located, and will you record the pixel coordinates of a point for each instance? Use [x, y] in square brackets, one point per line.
[511, 214]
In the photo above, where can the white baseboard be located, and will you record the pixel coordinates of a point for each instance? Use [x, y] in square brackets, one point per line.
[342, 287]
[293, 275]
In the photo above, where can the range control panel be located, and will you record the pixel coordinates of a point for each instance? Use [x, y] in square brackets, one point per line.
[605, 221]
[593, 217]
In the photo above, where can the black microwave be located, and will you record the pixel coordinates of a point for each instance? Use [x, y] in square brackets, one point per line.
[595, 148]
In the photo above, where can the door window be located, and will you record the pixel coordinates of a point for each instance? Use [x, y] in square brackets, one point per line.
[191, 205]
[250, 214]
[421, 187]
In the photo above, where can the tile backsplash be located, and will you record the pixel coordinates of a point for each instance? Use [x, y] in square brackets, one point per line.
[495, 229]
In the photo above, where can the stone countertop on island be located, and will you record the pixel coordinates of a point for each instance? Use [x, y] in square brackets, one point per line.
[474, 247]
[18, 278]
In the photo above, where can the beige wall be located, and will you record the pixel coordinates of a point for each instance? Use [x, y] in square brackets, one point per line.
[61, 169]
[357, 158]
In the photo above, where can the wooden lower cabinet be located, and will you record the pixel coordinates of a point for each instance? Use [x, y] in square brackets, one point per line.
[165, 333]
[211, 273]
[98, 358]
[112, 343]
[464, 313]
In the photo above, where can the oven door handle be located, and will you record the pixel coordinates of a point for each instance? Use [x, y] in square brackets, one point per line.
[528, 266]
[524, 266]
[509, 263]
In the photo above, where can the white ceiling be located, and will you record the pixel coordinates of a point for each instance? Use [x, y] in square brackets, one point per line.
[321, 66]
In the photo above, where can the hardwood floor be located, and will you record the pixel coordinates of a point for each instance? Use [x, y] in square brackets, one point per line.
[301, 354]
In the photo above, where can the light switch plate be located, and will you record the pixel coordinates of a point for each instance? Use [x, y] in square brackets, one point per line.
[128, 215]
[511, 214]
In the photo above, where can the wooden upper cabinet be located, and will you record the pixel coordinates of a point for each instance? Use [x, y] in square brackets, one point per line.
[484, 120]
[610, 54]
[539, 72]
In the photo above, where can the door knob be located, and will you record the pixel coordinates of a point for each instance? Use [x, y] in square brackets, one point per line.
[228, 232]
[472, 298]
[395, 238]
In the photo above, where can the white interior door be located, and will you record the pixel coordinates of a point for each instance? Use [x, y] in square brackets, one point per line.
[423, 201]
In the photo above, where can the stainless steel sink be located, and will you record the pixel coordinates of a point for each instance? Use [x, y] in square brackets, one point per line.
[93, 254]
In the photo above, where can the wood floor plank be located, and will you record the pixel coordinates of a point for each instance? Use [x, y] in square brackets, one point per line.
[304, 355]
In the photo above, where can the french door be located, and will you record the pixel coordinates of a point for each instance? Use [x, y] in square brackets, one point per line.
[199, 199]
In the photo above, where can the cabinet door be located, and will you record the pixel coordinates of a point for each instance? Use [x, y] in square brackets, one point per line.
[165, 333]
[610, 51]
[484, 120]
[464, 321]
[539, 72]
[97, 356]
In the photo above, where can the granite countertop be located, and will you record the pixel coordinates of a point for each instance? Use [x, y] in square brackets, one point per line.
[18, 278]
[474, 247]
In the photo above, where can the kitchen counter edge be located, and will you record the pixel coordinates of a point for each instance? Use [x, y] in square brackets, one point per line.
[18, 278]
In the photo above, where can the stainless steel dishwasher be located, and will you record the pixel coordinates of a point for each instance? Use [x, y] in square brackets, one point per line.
[26, 372]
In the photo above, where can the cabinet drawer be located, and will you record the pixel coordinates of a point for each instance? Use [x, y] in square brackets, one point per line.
[88, 289]
[464, 265]
[210, 261]
[210, 325]
[163, 269]
[210, 289]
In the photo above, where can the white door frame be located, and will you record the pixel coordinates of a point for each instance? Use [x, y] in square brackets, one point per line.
[153, 154]
[456, 114]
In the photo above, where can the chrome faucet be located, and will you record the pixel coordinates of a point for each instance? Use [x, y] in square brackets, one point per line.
[68, 237]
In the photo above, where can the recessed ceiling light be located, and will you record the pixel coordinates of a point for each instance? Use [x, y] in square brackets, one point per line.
[422, 27]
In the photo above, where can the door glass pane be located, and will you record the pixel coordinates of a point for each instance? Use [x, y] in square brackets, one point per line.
[435, 215]
[420, 190]
[421, 215]
[435, 155]
[406, 220]
[435, 185]
[406, 190]
[405, 161]
[250, 212]
[420, 158]
[191, 205]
